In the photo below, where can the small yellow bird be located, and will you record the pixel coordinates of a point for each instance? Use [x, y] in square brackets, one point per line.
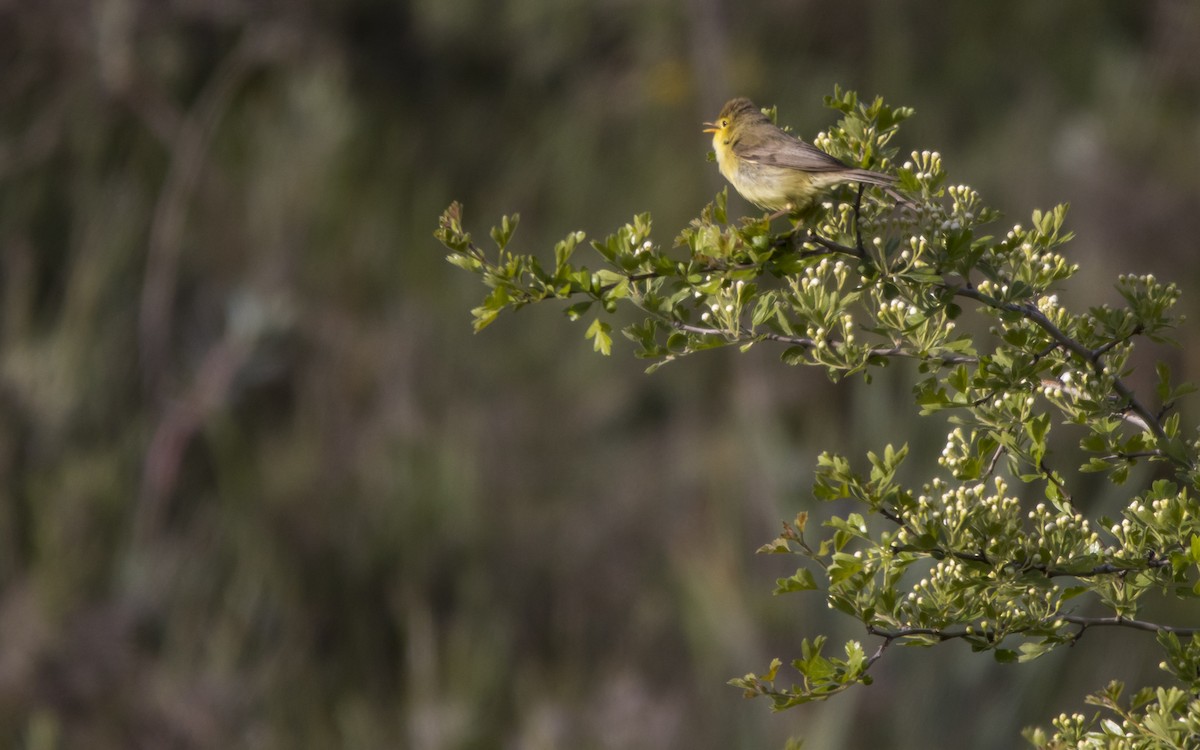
[774, 170]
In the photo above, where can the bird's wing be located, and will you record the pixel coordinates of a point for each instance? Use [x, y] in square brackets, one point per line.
[791, 153]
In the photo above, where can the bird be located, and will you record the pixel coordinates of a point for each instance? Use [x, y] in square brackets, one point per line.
[773, 169]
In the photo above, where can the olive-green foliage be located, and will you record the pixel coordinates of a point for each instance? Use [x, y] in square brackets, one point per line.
[261, 487]
[855, 283]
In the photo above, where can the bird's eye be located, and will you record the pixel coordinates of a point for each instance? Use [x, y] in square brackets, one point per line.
[724, 123]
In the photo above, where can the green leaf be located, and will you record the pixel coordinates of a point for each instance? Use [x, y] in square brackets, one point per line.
[484, 316]
[465, 262]
[803, 580]
[795, 355]
[607, 278]
[1031, 651]
[843, 567]
[564, 249]
[575, 311]
[600, 334]
[503, 233]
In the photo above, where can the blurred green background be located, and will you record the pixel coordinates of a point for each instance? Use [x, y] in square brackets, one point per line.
[263, 488]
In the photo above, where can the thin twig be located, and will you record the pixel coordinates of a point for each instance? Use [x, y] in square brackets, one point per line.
[1000, 451]
[1126, 622]
[1090, 356]
[745, 335]
[1125, 414]
[829, 244]
[1084, 623]
[1108, 345]
[1133, 455]
[858, 224]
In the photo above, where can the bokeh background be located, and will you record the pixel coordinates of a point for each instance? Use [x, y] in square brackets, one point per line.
[262, 486]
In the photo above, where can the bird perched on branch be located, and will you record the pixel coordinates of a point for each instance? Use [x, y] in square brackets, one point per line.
[774, 170]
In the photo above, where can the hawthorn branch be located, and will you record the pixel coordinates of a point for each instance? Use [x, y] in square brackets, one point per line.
[898, 633]
[1052, 477]
[1101, 569]
[717, 266]
[1105, 347]
[890, 636]
[1108, 568]
[991, 467]
[1093, 357]
[858, 243]
[1125, 622]
[1133, 455]
[1076, 393]
[811, 237]
[746, 335]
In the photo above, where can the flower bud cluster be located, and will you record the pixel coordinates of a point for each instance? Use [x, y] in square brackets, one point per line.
[724, 305]
[1070, 534]
[1147, 279]
[1142, 516]
[935, 591]
[993, 289]
[897, 313]
[1074, 725]
[1069, 382]
[919, 249]
[925, 165]
[1148, 289]
[1048, 305]
[966, 201]
[812, 291]
[957, 453]
[966, 517]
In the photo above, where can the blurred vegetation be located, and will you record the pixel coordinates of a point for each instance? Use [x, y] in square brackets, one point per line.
[262, 487]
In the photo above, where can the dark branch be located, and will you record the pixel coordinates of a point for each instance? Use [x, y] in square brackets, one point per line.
[1125, 622]
[745, 335]
[1093, 357]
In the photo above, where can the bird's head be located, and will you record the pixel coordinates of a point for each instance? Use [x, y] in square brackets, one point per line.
[734, 114]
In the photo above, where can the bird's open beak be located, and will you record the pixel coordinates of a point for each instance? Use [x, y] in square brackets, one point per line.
[712, 127]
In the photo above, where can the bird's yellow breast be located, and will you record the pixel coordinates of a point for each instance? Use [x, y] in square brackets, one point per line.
[770, 187]
[727, 161]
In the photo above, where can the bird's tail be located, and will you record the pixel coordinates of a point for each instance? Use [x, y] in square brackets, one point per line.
[885, 181]
[869, 177]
